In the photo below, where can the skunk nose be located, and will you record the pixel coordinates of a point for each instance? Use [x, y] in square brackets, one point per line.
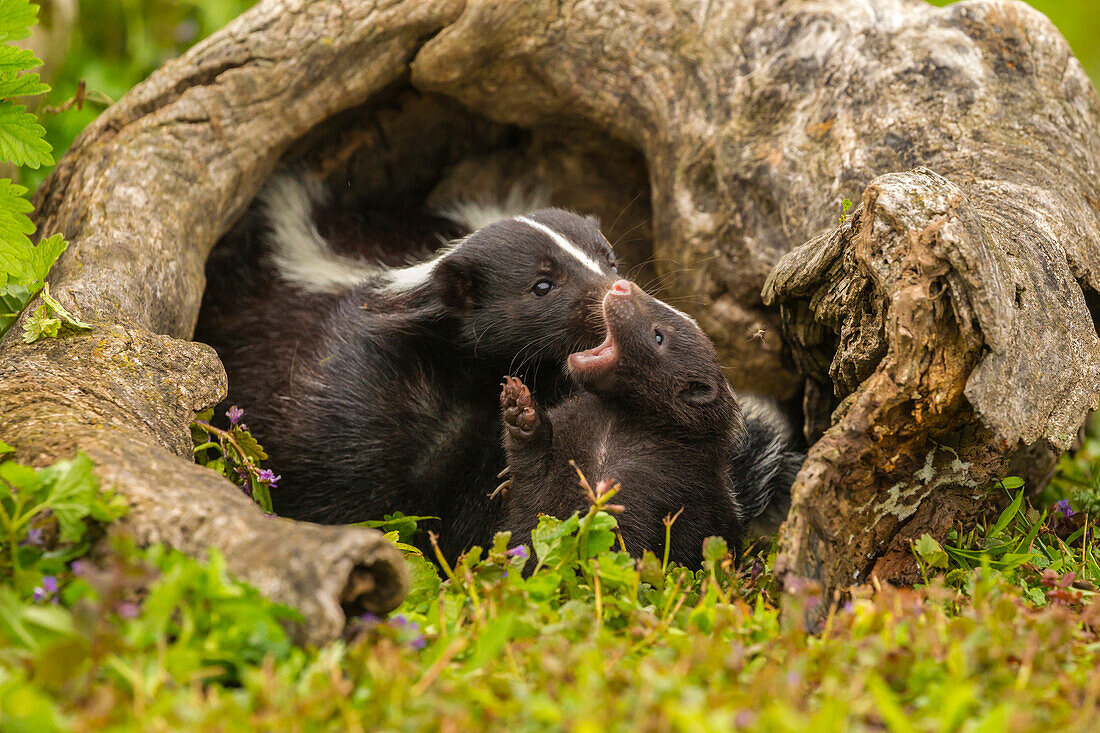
[621, 287]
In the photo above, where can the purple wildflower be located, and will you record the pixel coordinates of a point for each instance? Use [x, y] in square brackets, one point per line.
[80, 567]
[418, 643]
[34, 538]
[268, 476]
[519, 551]
[47, 590]
[127, 609]
[1063, 508]
[369, 618]
[234, 414]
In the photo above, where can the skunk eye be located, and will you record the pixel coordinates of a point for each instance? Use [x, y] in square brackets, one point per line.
[542, 287]
[659, 336]
[615, 268]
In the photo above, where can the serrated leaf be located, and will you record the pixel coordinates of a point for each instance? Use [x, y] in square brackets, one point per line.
[50, 319]
[16, 19]
[251, 447]
[73, 487]
[44, 254]
[548, 538]
[20, 84]
[22, 139]
[14, 59]
[41, 324]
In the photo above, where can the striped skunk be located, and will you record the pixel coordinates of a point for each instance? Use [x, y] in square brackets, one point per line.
[371, 383]
[656, 415]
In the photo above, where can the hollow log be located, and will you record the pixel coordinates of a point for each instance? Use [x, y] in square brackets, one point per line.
[942, 329]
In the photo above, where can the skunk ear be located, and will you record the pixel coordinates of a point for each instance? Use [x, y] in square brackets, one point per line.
[698, 393]
[454, 280]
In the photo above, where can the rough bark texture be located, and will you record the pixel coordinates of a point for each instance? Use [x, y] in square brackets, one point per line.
[938, 331]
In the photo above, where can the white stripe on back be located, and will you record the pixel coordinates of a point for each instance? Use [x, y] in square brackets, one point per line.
[565, 244]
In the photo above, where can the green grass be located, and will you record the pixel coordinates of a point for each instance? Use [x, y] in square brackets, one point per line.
[1001, 637]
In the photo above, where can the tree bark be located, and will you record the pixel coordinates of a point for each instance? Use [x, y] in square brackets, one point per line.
[936, 333]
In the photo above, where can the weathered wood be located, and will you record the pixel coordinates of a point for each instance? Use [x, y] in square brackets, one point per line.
[756, 119]
[923, 324]
[142, 196]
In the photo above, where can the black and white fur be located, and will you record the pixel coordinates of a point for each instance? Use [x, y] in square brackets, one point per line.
[766, 459]
[654, 414]
[372, 385]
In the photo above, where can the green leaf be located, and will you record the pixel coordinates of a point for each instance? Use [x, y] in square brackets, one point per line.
[19, 84]
[22, 139]
[549, 538]
[261, 494]
[16, 19]
[73, 487]
[601, 535]
[424, 582]
[5, 448]
[714, 549]
[14, 60]
[251, 447]
[49, 319]
[44, 254]
[1007, 515]
[931, 552]
[41, 324]
[13, 298]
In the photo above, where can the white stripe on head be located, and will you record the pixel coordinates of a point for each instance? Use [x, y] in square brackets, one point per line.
[565, 244]
[677, 311]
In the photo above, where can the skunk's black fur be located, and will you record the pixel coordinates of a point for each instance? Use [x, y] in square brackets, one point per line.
[766, 459]
[373, 388]
[655, 414]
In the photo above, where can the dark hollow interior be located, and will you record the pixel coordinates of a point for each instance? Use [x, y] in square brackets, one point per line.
[406, 152]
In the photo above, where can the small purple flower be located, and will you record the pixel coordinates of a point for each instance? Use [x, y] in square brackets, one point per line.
[80, 567]
[369, 618]
[1063, 508]
[268, 476]
[47, 590]
[234, 414]
[418, 643]
[519, 551]
[34, 538]
[127, 610]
